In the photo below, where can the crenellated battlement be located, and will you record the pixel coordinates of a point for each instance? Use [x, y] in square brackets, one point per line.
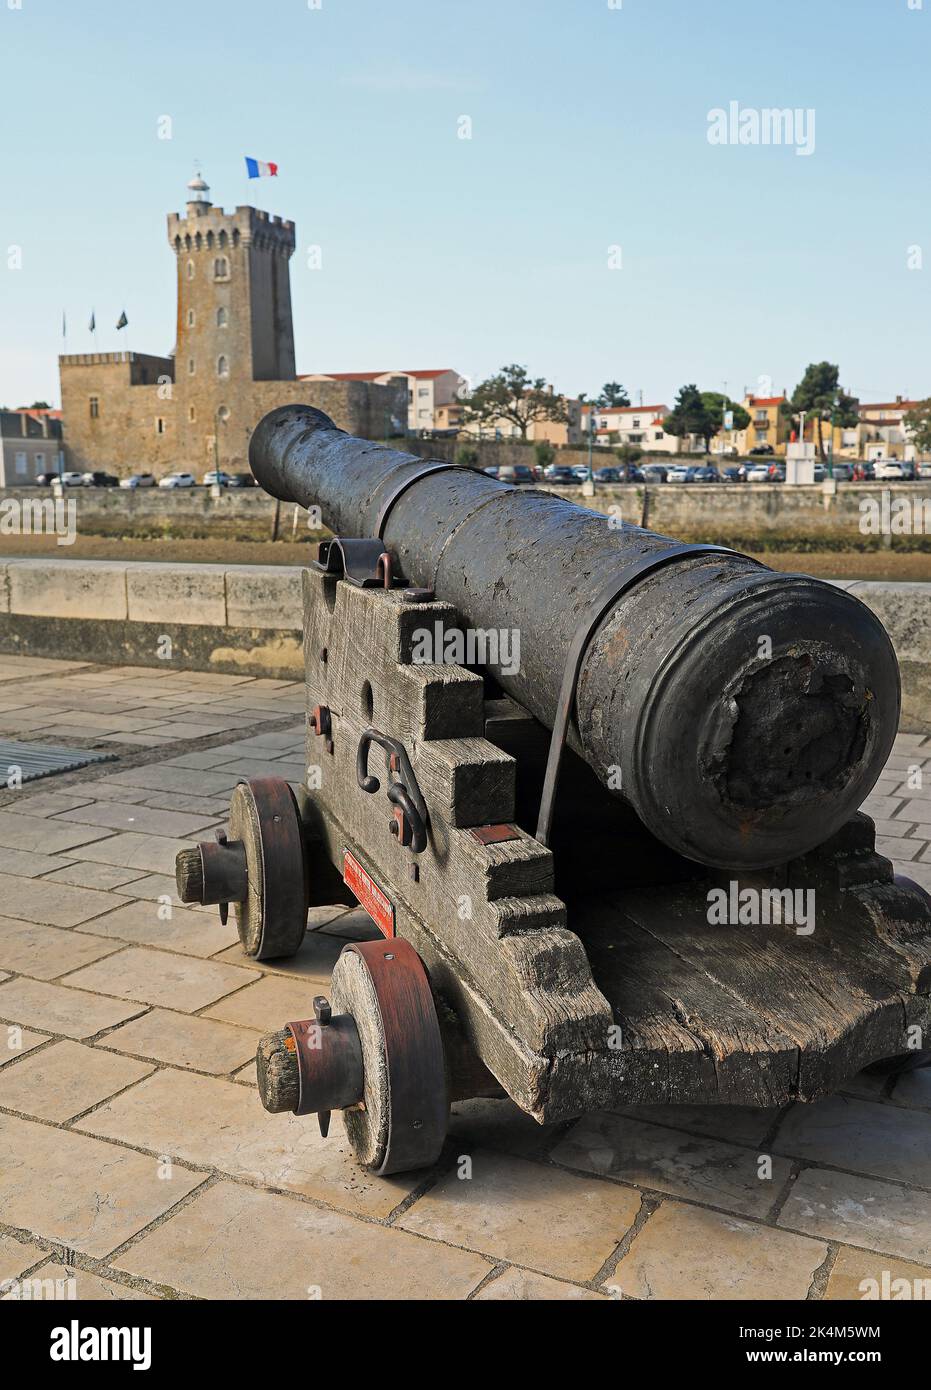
[208, 228]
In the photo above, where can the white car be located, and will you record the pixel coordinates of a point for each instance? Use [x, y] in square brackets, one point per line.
[757, 473]
[888, 468]
[72, 479]
[216, 475]
[178, 480]
[138, 480]
[679, 473]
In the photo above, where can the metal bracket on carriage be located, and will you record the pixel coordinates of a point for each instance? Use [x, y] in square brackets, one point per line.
[365, 563]
[410, 818]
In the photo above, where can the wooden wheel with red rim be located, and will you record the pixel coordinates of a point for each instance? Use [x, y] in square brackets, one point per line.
[401, 1123]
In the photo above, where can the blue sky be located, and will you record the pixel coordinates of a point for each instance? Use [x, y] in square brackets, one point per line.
[589, 131]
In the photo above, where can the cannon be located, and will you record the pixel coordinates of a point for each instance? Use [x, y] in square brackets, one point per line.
[614, 856]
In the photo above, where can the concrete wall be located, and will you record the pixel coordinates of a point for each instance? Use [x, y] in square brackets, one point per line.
[247, 618]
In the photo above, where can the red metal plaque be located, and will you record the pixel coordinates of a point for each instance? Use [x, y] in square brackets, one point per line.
[377, 905]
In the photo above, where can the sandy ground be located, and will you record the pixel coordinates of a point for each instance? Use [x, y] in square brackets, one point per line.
[894, 565]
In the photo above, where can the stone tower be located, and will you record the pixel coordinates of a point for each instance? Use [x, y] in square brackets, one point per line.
[233, 360]
[234, 323]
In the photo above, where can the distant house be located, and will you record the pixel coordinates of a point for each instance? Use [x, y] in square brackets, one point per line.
[639, 425]
[431, 391]
[30, 444]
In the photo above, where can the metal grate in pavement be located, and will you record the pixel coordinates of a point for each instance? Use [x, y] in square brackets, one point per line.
[43, 759]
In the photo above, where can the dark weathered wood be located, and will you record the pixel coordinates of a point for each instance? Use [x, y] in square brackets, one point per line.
[277, 1072]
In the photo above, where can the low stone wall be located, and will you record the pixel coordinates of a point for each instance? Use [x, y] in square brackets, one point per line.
[239, 619]
[246, 619]
[840, 516]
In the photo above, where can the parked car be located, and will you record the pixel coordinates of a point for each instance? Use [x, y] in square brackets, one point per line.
[241, 480]
[734, 474]
[924, 468]
[757, 473]
[654, 472]
[178, 480]
[888, 468]
[72, 479]
[843, 472]
[561, 475]
[491, 470]
[515, 473]
[820, 472]
[705, 474]
[44, 479]
[762, 449]
[216, 475]
[96, 479]
[138, 480]
[679, 473]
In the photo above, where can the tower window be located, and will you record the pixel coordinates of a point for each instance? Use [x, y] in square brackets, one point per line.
[221, 240]
[223, 413]
[223, 366]
[190, 270]
[221, 268]
[190, 366]
[222, 317]
[190, 318]
[159, 425]
[94, 407]
[191, 414]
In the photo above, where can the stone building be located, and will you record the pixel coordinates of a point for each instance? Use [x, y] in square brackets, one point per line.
[233, 361]
[30, 444]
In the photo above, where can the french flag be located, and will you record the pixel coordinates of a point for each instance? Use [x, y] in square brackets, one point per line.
[256, 169]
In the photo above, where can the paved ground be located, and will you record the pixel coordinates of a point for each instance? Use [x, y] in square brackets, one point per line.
[134, 1154]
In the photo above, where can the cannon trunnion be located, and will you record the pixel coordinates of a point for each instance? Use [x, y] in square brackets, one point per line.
[572, 959]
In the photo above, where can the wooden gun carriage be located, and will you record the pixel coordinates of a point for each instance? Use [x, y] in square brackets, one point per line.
[566, 958]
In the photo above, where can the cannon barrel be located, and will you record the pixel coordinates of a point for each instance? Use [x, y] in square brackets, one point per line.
[744, 714]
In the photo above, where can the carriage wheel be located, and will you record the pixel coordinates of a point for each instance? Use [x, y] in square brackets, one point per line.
[261, 867]
[376, 1053]
[272, 918]
[402, 1122]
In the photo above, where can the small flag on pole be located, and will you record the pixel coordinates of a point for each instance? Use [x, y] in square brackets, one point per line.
[64, 324]
[122, 321]
[92, 326]
[257, 170]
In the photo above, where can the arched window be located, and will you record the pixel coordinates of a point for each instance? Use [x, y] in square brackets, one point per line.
[190, 270]
[221, 240]
[223, 366]
[222, 317]
[221, 268]
[235, 236]
[187, 242]
[198, 241]
[210, 241]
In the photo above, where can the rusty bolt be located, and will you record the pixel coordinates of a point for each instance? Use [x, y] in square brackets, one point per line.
[320, 721]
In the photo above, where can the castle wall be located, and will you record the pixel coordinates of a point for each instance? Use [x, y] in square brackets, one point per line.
[124, 436]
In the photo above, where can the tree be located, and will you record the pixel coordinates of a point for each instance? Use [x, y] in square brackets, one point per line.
[613, 393]
[544, 453]
[512, 395]
[466, 456]
[818, 394]
[690, 415]
[39, 405]
[918, 426]
[716, 403]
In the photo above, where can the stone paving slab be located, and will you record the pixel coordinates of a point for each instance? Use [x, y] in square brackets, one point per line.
[865, 1277]
[53, 1282]
[233, 1243]
[140, 1054]
[66, 1079]
[75, 1013]
[85, 1194]
[211, 1123]
[157, 977]
[861, 1211]
[715, 1257]
[653, 1157]
[554, 1222]
[185, 1040]
[46, 952]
